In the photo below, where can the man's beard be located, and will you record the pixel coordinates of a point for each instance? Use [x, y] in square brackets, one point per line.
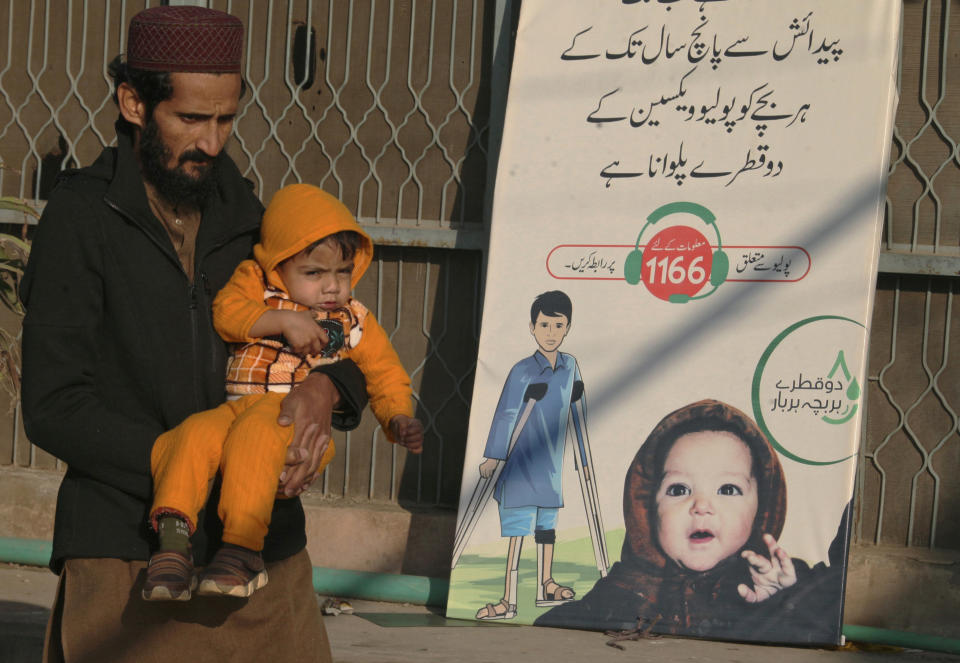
[173, 184]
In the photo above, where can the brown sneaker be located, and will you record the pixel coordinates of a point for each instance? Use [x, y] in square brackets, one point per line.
[170, 577]
[233, 571]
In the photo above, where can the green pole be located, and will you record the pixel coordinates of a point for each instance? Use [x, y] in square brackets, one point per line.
[882, 636]
[421, 590]
[418, 590]
[29, 552]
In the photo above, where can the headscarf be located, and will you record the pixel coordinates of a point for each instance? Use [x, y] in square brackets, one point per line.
[648, 589]
[646, 471]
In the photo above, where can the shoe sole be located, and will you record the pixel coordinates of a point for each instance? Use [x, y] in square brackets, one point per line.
[161, 593]
[209, 587]
[496, 618]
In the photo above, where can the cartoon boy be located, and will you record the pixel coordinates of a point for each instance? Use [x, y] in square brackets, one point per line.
[528, 490]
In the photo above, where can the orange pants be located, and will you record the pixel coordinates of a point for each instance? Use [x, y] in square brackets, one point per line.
[242, 439]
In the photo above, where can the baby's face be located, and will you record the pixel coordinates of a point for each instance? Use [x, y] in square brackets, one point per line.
[707, 499]
[319, 279]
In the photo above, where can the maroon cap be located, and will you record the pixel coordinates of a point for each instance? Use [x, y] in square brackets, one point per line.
[185, 38]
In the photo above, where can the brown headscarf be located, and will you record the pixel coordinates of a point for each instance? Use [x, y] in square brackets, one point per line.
[646, 471]
[678, 600]
[647, 589]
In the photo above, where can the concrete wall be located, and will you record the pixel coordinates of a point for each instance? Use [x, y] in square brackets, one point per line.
[906, 589]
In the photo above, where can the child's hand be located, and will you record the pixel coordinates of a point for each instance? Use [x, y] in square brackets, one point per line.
[769, 575]
[408, 432]
[303, 334]
[487, 467]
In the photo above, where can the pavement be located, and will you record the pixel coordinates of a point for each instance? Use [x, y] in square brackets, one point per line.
[398, 633]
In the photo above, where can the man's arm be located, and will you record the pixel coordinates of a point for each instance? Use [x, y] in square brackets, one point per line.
[333, 395]
[352, 389]
[63, 411]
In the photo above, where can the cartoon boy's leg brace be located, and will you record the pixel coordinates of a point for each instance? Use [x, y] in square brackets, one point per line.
[545, 540]
[513, 571]
[582, 458]
[484, 486]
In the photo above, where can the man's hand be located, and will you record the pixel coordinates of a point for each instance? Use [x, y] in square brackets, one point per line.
[769, 575]
[309, 407]
[408, 432]
[303, 334]
[487, 467]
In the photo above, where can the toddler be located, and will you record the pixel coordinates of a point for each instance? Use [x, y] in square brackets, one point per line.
[287, 311]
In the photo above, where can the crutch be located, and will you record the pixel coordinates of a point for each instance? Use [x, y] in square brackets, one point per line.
[577, 422]
[484, 488]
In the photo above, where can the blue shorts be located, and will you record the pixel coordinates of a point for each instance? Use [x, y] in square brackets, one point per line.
[522, 520]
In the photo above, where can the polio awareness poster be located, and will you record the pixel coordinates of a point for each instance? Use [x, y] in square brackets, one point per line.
[683, 252]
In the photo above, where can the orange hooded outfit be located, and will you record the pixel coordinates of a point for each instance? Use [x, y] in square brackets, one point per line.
[241, 438]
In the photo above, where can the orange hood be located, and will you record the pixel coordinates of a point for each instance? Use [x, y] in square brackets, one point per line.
[299, 215]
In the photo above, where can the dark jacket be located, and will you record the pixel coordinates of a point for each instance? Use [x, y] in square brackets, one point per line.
[119, 346]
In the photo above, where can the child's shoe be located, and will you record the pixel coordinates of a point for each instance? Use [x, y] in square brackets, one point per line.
[233, 571]
[170, 577]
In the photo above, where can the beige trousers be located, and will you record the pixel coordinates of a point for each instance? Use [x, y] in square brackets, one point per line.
[99, 616]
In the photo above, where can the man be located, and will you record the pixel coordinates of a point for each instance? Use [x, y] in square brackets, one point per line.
[118, 347]
[529, 490]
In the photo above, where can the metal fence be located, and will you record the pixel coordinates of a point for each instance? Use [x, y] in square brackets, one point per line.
[392, 105]
[908, 487]
[384, 103]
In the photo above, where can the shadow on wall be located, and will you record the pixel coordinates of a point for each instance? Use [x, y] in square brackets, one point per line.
[452, 300]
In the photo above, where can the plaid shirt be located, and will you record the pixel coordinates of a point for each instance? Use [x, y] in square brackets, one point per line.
[268, 364]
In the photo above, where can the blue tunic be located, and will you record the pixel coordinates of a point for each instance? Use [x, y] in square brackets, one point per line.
[531, 476]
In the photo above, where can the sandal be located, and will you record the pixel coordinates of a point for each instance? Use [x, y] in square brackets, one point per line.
[489, 611]
[558, 596]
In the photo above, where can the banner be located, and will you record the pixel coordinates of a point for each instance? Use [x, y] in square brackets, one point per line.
[686, 225]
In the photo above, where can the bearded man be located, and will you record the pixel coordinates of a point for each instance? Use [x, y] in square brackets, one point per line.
[118, 347]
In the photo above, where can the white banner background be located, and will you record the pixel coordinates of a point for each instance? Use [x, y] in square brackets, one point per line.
[794, 103]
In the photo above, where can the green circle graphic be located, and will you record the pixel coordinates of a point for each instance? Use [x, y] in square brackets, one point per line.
[755, 389]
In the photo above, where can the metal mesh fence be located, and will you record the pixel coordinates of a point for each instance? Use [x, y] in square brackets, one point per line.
[387, 104]
[908, 491]
[384, 103]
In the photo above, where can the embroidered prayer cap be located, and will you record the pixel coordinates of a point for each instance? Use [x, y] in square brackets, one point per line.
[185, 39]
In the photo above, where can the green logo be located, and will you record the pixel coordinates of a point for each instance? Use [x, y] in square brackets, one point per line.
[853, 390]
[835, 401]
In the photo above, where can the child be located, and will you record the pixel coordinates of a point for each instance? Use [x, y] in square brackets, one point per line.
[703, 498]
[529, 489]
[311, 254]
